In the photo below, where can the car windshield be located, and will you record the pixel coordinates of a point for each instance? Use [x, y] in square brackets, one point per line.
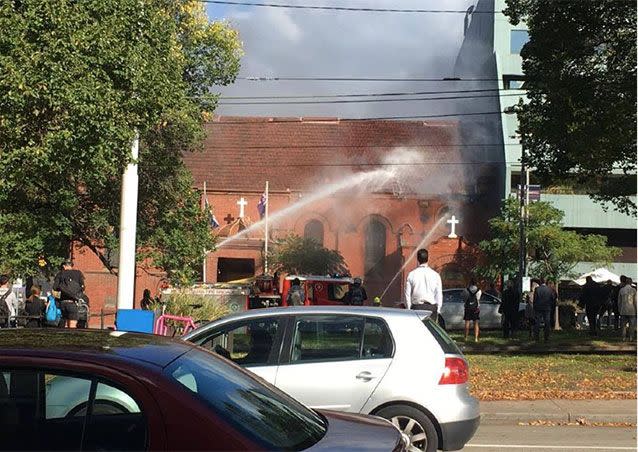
[445, 341]
[262, 412]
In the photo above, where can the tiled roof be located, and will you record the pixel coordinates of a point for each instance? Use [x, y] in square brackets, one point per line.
[241, 153]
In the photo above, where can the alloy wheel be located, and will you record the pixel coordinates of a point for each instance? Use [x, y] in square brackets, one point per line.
[414, 431]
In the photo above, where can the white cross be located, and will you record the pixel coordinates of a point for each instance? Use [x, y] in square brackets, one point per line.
[453, 222]
[242, 203]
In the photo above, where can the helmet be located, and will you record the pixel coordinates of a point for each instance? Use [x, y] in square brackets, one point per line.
[357, 281]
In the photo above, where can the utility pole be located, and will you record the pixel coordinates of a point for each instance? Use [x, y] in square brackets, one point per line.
[266, 229]
[128, 230]
[522, 243]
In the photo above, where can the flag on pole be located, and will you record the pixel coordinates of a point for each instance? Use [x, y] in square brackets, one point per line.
[261, 206]
[211, 216]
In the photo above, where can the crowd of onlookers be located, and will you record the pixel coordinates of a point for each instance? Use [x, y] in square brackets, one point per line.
[30, 307]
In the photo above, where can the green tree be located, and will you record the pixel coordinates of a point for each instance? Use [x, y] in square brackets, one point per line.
[305, 256]
[76, 80]
[553, 251]
[579, 126]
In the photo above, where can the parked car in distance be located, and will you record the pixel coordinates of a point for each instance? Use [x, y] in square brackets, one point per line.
[451, 315]
[98, 390]
[393, 363]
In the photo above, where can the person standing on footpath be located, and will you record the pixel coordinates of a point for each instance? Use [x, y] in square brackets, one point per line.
[70, 283]
[627, 309]
[423, 288]
[8, 303]
[590, 299]
[509, 309]
[472, 308]
[543, 302]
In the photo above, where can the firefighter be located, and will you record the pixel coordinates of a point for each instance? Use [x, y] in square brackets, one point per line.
[356, 296]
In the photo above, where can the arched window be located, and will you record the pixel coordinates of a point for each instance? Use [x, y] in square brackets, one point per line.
[314, 230]
[375, 245]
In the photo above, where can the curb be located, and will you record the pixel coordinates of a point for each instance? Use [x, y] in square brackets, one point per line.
[515, 417]
[572, 350]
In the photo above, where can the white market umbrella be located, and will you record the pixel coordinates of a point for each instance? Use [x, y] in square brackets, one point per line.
[600, 275]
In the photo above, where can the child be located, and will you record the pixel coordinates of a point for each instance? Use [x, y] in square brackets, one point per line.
[34, 308]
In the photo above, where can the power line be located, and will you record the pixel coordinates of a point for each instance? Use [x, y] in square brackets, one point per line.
[388, 94]
[350, 101]
[353, 146]
[365, 79]
[378, 118]
[355, 165]
[347, 8]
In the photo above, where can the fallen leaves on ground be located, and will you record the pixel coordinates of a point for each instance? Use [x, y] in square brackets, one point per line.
[577, 422]
[580, 377]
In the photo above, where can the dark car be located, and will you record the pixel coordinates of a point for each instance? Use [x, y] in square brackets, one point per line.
[145, 392]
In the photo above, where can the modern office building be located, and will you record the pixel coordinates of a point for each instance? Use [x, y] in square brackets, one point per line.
[491, 53]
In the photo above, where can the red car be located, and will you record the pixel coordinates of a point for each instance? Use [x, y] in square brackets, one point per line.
[99, 390]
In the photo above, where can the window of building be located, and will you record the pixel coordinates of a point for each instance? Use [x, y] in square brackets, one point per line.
[375, 245]
[518, 38]
[513, 81]
[314, 230]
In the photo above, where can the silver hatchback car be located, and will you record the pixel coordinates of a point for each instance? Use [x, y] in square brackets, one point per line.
[393, 363]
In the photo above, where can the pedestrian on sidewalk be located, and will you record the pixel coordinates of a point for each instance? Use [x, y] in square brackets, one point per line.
[543, 301]
[509, 309]
[423, 288]
[590, 299]
[34, 308]
[472, 308]
[627, 309]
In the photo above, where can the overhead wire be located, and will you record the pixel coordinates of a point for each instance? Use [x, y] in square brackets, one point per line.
[348, 8]
[350, 101]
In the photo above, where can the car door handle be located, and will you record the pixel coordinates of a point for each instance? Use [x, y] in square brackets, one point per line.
[365, 376]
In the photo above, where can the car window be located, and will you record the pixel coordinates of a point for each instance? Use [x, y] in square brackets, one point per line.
[327, 338]
[489, 299]
[247, 343]
[54, 411]
[377, 342]
[262, 412]
[446, 342]
[452, 296]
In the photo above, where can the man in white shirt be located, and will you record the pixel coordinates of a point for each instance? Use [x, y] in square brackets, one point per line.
[10, 301]
[423, 289]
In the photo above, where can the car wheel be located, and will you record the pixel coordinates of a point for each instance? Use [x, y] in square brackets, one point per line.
[415, 425]
[441, 322]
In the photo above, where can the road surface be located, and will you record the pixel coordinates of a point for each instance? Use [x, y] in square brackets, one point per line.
[517, 438]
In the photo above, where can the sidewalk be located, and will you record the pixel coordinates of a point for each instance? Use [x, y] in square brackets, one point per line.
[534, 348]
[505, 411]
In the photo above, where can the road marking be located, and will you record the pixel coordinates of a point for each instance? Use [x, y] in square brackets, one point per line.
[526, 446]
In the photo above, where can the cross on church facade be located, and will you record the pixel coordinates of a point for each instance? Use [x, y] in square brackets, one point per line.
[229, 219]
[452, 222]
[242, 203]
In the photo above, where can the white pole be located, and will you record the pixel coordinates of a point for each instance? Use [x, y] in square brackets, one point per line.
[266, 232]
[205, 208]
[128, 229]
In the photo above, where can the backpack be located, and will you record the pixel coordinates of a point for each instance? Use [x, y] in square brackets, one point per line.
[356, 296]
[4, 309]
[70, 288]
[52, 315]
[472, 301]
[294, 298]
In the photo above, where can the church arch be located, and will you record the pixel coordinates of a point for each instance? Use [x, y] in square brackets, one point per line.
[376, 236]
[314, 230]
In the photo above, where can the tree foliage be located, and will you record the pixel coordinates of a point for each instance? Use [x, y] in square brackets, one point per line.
[76, 80]
[305, 256]
[579, 126]
[553, 251]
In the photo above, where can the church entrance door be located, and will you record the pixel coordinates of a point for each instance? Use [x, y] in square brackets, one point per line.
[231, 269]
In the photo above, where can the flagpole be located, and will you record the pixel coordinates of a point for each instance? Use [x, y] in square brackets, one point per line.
[205, 252]
[266, 233]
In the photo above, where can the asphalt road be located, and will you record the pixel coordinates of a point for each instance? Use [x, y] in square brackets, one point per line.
[516, 438]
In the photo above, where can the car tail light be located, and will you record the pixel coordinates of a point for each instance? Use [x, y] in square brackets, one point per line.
[455, 372]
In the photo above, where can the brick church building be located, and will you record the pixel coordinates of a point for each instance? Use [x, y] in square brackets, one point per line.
[373, 190]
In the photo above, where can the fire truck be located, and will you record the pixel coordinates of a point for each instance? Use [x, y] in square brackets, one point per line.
[318, 290]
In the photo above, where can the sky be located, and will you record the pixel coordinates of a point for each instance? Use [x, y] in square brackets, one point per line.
[311, 43]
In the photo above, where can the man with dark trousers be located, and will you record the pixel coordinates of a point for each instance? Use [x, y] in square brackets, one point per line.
[543, 303]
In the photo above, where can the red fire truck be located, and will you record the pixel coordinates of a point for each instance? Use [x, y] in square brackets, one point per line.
[318, 290]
